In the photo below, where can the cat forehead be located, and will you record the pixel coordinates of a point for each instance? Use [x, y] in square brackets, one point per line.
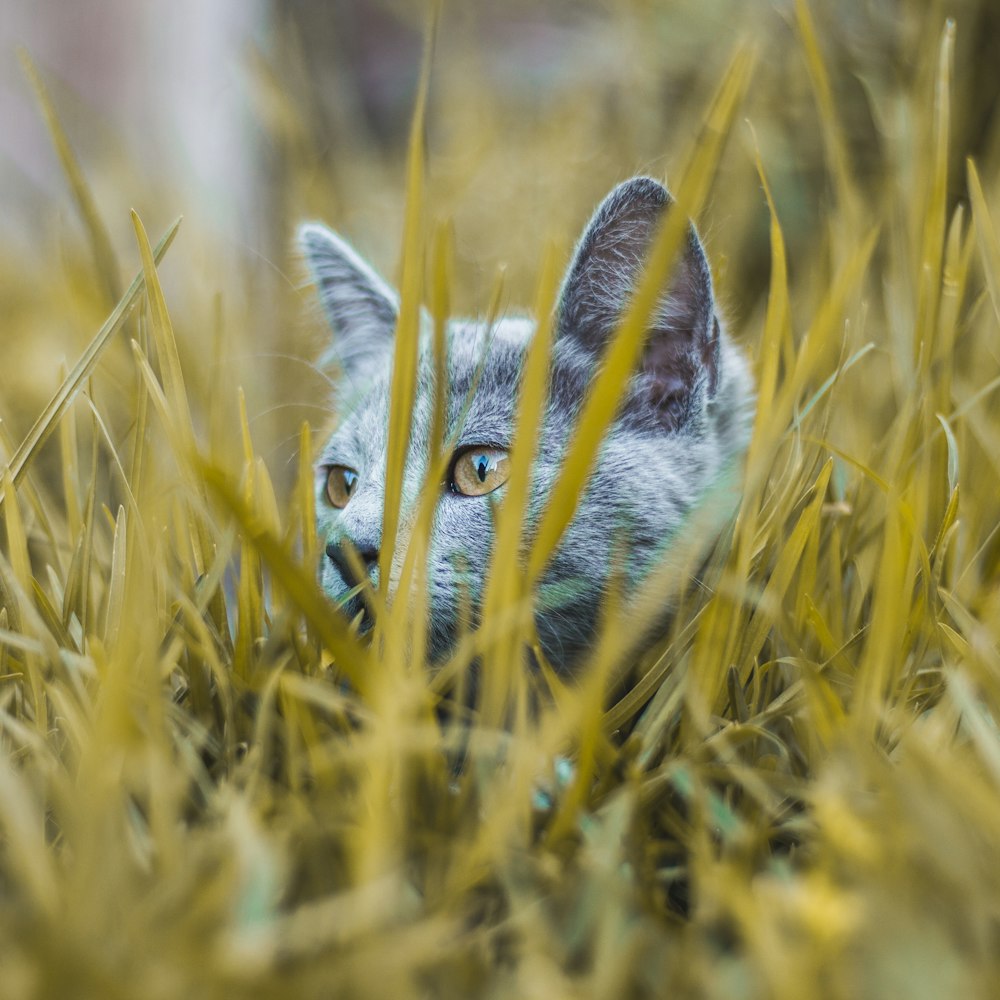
[487, 355]
[484, 363]
[474, 337]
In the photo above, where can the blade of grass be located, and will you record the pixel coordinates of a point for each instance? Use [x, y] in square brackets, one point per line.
[777, 322]
[505, 581]
[829, 120]
[935, 208]
[989, 243]
[774, 592]
[65, 394]
[163, 336]
[623, 351]
[117, 581]
[69, 465]
[100, 243]
[404, 366]
[20, 564]
[300, 587]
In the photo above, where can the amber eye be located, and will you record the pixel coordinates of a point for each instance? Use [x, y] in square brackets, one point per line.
[479, 470]
[340, 483]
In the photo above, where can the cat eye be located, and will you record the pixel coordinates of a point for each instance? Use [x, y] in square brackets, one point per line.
[340, 483]
[479, 470]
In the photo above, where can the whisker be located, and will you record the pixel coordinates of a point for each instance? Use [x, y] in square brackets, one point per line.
[254, 252]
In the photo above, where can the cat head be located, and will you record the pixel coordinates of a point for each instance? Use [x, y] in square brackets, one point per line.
[678, 424]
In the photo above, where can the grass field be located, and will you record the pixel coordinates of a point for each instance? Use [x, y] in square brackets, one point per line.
[210, 787]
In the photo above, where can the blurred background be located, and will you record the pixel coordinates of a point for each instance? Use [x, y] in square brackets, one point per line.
[247, 116]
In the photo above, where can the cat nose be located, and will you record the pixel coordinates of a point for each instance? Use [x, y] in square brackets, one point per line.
[367, 554]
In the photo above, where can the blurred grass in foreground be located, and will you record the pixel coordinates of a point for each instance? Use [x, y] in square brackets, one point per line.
[796, 792]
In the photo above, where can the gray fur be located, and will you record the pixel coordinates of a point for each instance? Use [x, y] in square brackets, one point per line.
[683, 423]
[360, 307]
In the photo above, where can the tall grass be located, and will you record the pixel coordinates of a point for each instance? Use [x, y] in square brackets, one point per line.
[211, 786]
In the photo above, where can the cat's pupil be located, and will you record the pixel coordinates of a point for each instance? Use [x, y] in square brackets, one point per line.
[350, 478]
[482, 467]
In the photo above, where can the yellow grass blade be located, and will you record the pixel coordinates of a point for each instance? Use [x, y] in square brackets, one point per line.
[880, 665]
[505, 581]
[100, 243]
[623, 351]
[306, 499]
[407, 344]
[935, 214]
[777, 322]
[300, 587]
[116, 588]
[70, 470]
[830, 126]
[56, 407]
[20, 565]
[23, 825]
[30, 494]
[163, 335]
[774, 593]
[989, 242]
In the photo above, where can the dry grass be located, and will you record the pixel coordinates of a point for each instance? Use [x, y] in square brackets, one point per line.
[210, 788]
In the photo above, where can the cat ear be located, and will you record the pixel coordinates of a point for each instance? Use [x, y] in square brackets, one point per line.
[360, 307]
[680, 363]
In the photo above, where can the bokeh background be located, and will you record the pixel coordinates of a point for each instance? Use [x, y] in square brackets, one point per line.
[247, 116]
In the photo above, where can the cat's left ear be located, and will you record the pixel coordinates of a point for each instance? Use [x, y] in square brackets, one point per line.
[680, 363]
[360, 307]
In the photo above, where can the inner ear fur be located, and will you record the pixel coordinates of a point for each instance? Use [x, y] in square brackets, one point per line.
[360, 307]
[681, 357]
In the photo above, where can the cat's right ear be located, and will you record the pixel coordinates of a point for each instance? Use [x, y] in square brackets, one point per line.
[680, 363]
[360, 307]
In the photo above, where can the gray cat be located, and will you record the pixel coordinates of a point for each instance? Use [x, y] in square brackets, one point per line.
[683, 422]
